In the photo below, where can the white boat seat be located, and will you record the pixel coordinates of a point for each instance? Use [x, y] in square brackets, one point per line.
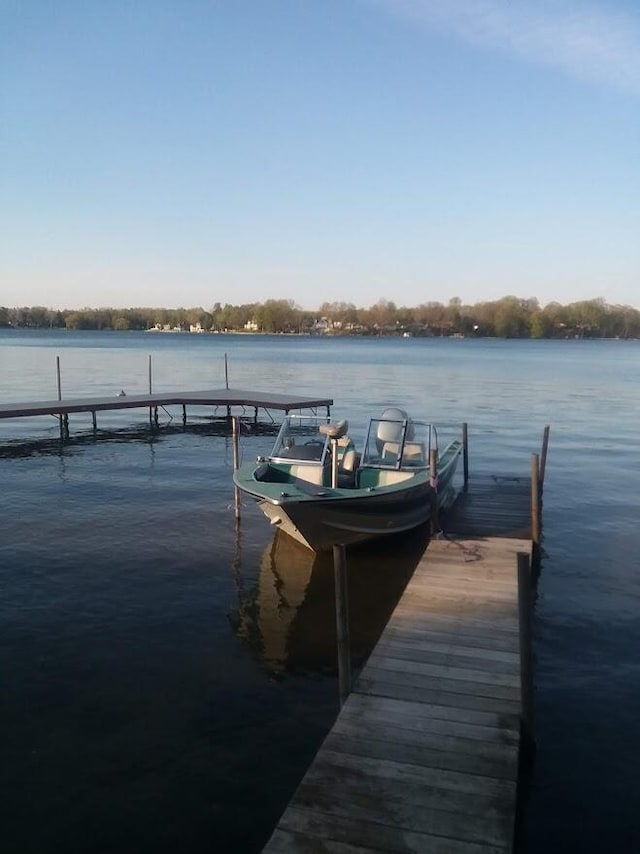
[335, 430]
[347, 462]
[346, 454]
[414, 453]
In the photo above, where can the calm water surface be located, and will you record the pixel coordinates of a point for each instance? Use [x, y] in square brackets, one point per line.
[167, 677]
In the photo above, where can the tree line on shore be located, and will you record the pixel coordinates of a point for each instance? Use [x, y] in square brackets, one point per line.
[509, 317]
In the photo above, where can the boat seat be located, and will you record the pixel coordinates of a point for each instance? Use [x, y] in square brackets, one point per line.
[414, 453]
[389, 453]
[347, 462]
[335, 430]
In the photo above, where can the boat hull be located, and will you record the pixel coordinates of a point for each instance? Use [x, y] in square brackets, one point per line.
[346, 520]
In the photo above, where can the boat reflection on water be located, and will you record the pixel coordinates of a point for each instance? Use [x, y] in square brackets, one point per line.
[289, 620]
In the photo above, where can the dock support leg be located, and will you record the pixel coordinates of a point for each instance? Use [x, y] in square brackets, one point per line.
[255, 415]
[342, 622]
[433, 480]
[65, 421]
[59, 383]
[535, 507]
[543, 456]
[526, 643]
[465, 455]
[155, 415]
[236, 460]
[94, 420]
[184, 415]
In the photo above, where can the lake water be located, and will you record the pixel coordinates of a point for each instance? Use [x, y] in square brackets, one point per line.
[167, 677]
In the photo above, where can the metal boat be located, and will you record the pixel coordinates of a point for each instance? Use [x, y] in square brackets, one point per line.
[316, 487]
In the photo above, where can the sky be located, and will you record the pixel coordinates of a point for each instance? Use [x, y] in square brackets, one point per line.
[157, 153]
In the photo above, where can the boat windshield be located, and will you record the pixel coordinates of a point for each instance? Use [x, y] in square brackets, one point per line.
[398, 444]
[299, 440]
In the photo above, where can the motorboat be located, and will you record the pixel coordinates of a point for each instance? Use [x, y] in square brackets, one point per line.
[319, 489]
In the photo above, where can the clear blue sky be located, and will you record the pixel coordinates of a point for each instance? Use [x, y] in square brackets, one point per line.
[187, 152]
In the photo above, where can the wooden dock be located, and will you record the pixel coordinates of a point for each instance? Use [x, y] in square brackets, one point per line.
[423, 756]
[213, 397]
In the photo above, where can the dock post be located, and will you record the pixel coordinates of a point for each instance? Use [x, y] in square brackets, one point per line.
[236, 459]
[342, 622]
[433, 480]
[184, 415]
[526, 644]
[155, 415]
[535, 503]
[465, 455]
[59, 397]
[94, 420]
[226, 371]
[65, 422]
[543, 457]
[150, 391]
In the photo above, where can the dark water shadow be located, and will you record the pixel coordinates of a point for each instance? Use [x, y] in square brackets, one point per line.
[147, 434]
[288, 619]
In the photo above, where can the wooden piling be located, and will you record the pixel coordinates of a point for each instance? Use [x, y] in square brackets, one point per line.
[535, 501]
[61, 424]
[226, 371]
[433, 478]
[526, 644]
[543, 457]
[94, 420]
[236, 460]
[342, 622]
[465, 455]
[150, 390]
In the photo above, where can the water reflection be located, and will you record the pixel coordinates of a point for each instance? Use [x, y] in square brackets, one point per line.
[288, 619]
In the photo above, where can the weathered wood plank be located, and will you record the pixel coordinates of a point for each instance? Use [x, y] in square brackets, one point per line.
[492, 751]
[440, 671]
[383, 837]
[409, 712]
[387, 743]
[398, 639]
[445, 633]
[455, 823]
[403, 688]
[452, 657]
[454, 686]
[437, 722]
